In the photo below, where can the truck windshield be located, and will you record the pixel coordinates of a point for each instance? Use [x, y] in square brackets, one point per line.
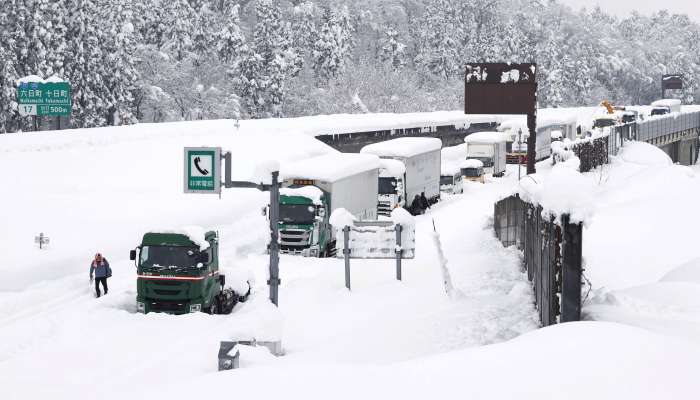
[603, 122]
[171, 257]
[471, 172]
[297, 213]
[387, 185]
[446, 180]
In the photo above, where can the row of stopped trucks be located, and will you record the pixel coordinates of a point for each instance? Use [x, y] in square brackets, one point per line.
[369, 185]
[383, 176]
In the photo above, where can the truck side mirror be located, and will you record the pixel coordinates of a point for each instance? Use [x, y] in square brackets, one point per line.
[132, 255]
[321, 212]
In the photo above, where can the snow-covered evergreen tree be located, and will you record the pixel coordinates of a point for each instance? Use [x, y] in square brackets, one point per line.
[8, 76]
[119, 71]
[181, 19]
[84, 66]
[230, 39]
[393, 52]
[438, 47]
[333, 44]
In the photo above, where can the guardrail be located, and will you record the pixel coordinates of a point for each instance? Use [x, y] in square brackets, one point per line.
[552, 250]
[663, 125]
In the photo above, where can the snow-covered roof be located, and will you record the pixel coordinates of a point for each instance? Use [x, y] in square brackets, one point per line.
[310, 192]
[196, 234]
[403, 147]
[666, 103]
[486, 137]
[606, 116]
[391, 167]
[556, 135]
[450, 169]
[452, 153]
[330, 167]
[472, 163]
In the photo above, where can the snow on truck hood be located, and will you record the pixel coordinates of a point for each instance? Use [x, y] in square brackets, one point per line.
[403, 147]
[330, 167]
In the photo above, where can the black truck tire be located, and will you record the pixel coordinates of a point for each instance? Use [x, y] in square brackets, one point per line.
[214, 307]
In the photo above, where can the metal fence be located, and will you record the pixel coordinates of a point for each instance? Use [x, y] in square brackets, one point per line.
[665, 125]
[552, 250]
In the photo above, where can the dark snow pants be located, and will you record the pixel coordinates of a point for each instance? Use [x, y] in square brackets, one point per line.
[97, 285]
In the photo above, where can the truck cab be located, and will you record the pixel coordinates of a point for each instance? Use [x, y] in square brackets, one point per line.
[409, 167]
[451, 183]
[303, 220]
[392, 192]
[473, 170]
[313, 188]
[176, 275]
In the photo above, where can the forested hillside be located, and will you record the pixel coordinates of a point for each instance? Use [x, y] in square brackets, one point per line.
[134, 61]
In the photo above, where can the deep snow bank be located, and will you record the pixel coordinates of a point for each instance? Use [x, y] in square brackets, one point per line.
[586, 360]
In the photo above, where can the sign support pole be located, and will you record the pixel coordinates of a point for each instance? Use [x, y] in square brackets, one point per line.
[274, 235]
[399, 251]
[274, 189]
[346, 253]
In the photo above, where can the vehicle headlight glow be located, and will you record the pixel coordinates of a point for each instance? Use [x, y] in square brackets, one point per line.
[195, 308]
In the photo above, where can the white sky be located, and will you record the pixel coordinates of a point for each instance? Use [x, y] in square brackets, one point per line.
[623, 7]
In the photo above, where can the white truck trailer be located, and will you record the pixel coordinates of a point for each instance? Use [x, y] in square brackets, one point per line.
[421, 173]
[672, 105]
[490, 149]
[315, 187]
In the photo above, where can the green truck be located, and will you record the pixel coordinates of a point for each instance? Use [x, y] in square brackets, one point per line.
[178, 273]
[315, 187]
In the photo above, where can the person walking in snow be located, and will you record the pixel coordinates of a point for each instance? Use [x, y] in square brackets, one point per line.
[415, 208]
[424, 203]
[101, 270]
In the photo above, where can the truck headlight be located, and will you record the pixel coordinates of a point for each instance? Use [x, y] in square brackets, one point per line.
[195, 308]
[140, 307]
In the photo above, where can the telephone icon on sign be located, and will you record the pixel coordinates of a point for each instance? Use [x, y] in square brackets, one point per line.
[201, 170]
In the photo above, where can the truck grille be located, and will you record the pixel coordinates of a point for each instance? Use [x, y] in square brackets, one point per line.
[167, 306]
[384, 208]
[294, 240]
[294, 237]
[166, 292]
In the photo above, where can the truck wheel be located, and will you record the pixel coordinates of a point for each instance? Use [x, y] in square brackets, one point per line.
[213, 308]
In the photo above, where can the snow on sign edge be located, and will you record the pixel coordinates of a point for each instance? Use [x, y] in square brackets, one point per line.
[330, 167]
[38, 79]
[403, 147]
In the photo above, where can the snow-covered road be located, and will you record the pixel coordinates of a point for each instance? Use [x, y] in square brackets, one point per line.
[99, 191]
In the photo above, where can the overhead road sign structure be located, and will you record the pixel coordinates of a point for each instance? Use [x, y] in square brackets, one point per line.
[202, 170]
[504, 88]
[44, 98]
[500, 88]
[672, 81]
